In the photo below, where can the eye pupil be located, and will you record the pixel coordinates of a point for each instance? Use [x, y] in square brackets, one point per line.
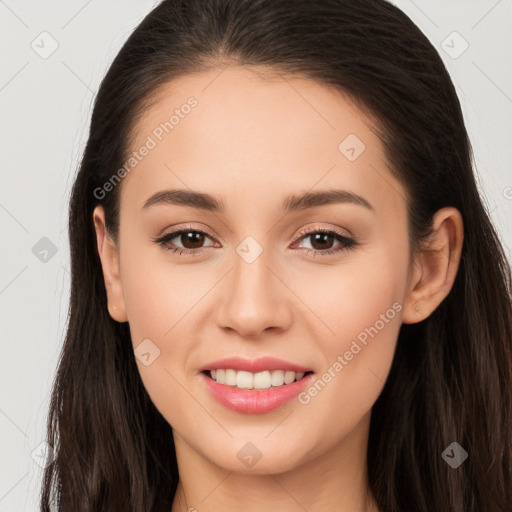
[193, 237]
[318, 237]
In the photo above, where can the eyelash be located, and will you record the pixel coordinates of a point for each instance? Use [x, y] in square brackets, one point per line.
[348, 243]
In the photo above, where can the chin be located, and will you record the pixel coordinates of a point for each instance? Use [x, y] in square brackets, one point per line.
[248, 460]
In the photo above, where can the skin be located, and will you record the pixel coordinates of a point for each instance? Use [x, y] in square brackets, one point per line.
[254, 138]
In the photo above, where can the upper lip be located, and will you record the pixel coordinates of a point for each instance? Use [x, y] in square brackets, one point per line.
[254, 365]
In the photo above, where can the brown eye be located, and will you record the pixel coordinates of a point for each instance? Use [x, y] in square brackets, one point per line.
[192, 239]
[184, 241]
[323, 242]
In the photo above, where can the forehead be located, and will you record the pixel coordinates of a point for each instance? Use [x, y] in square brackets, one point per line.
[231, 129]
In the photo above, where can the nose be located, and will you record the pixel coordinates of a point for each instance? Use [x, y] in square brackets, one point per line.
[253, 298]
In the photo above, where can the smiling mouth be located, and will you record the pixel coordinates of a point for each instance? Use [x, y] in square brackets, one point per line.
[258, 381]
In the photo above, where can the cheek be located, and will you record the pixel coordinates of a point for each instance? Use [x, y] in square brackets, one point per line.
[360, 308]
[160, 294]
[160, 305]
[164, 302]
[352, 296]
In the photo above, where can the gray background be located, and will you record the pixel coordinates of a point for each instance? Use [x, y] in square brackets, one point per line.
[45, 103]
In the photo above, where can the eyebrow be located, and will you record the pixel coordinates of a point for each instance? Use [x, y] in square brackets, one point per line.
[184, 197]
[297, 202]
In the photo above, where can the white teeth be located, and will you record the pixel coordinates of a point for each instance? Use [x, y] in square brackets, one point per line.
[278, 378]
[289, 377]
[260, 380]
[244, 380]
[230, 378]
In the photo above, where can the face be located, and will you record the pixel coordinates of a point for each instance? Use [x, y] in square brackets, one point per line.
[317, 283]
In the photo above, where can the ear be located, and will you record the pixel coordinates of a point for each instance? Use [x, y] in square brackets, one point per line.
[110, 264]
[435, 267]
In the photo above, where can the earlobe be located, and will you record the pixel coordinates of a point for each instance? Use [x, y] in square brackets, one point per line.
[435, 268]
[110, 266]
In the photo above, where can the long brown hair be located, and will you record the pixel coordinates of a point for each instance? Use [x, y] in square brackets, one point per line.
[451, 379]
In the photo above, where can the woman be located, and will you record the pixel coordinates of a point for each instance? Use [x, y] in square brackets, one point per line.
[286, 290]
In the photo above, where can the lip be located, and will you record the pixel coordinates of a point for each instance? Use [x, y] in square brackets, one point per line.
[253, 401]
[254, 366]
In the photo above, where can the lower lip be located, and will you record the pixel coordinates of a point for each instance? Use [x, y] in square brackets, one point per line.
[254, 401]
